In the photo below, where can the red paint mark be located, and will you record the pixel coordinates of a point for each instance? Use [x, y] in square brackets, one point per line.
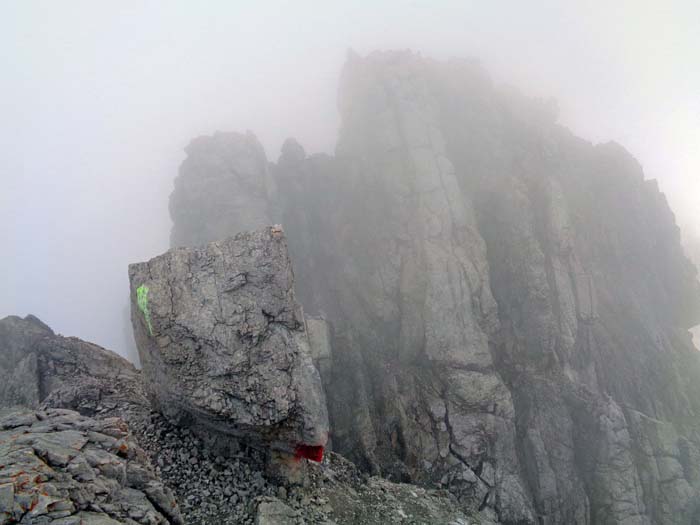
[312, 452]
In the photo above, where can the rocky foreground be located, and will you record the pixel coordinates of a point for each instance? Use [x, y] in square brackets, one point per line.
[60, 467]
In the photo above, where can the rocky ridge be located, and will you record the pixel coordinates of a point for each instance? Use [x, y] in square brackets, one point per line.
[40, 367]
[508, 304]
[498, 310]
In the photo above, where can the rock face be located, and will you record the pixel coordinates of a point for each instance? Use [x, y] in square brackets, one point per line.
[595, 300]
[19, 374]
[692, 248]
[223, 344]
[224, 180]
[38, 366]
[59, 467]
[508, 305]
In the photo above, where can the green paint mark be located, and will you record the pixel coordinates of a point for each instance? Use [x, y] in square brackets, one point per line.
[142, 301]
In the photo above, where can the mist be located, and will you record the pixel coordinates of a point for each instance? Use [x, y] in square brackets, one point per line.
[98, 101]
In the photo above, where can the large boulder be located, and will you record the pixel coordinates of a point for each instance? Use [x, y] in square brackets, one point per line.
[223, 344]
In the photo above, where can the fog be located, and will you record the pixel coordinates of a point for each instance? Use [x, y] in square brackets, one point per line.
[98, 100]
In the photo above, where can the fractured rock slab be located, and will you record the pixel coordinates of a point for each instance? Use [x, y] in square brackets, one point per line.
[57, 466]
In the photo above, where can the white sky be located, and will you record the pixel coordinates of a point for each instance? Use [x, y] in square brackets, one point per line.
[97, 100]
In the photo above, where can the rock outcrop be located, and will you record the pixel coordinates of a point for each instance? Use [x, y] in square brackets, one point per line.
[224, 180]
[59, 467]
[38, 366]
[595, 299]
[508, 305]
[223, 343]
[692, 248]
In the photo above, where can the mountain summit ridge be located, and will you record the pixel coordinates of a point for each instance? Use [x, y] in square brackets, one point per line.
[509, 303]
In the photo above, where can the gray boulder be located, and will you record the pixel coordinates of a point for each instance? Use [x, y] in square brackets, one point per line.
[223, 345]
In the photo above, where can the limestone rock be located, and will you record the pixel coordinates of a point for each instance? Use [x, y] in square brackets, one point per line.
[508, 304]
[37, 366]
[272, 511]
[209, 488]
[19, 385]
[320, 345]
[234, 166]
[57, 466]
[223, 345]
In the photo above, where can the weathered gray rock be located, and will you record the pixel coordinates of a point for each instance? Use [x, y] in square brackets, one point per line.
[272, 511]
[57, 466]
[224, 181]
[19, 374]
[351, 498]
[418, 288]
[38, 366]
[223, 345]
[692, 248]
[379, 253]
[508, 304]
[320, 345]
[595, 298]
